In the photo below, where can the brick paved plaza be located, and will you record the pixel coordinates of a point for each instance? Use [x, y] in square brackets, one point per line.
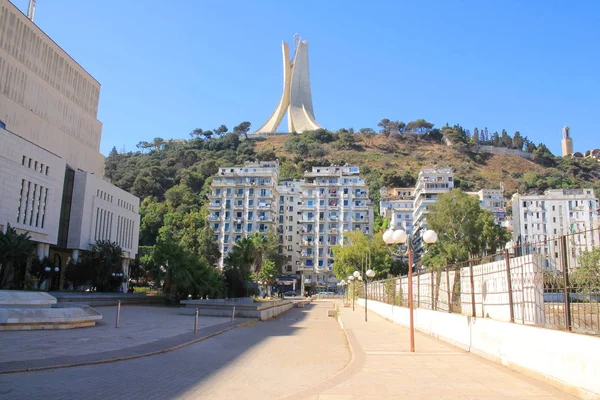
[302, 354]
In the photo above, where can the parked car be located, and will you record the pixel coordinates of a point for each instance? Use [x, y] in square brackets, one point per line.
[290, 293]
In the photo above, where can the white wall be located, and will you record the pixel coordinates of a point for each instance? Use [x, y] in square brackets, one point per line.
[568, 361]
[17, 179]
[102, 211]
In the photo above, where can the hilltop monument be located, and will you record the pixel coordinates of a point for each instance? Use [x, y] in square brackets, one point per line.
[567, 142]
[296, 98]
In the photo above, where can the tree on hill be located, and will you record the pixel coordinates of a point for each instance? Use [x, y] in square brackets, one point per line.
[242, 129]
[419, 126]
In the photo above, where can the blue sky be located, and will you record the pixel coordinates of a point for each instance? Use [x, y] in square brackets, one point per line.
[169, 67]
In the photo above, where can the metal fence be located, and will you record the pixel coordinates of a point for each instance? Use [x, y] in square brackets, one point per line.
[553, 283]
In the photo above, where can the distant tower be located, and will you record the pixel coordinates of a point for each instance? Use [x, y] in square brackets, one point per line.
[296, 99]
[567, 142]
[31, 10]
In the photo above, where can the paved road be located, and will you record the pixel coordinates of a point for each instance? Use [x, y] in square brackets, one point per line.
[265, 360]
[303, 354]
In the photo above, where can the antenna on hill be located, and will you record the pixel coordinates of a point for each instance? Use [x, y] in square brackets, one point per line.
[31, 10]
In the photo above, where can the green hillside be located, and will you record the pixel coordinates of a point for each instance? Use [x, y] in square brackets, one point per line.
[172, 177]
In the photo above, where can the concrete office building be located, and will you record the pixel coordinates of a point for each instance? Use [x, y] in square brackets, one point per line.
[397, 205]
[538, 218]
[51, 175]
[309, 215]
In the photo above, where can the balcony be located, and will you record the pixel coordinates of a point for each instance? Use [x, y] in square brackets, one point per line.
[307, 243]
[213, 218]
[264, 206]
[360, 221]
[214, 206]
[305, 220]
[306, 255]
[333, 230]
[361, 195]
[307, 232]
[239, 195]
[238, 206]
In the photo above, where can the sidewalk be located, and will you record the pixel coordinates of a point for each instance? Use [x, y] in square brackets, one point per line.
[143, 330]
[385, 368]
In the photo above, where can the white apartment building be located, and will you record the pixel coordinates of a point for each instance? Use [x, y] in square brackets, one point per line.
[51, 168]
[430, 184]
[243, 200]
[397, 205]
[334, 200]
[538, 219]
[309, 216]
[492, 200]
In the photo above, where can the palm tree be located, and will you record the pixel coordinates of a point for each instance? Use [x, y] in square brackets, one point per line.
[15, 248]
[108, 261]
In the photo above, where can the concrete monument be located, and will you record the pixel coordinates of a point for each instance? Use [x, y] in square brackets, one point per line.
[296, 99]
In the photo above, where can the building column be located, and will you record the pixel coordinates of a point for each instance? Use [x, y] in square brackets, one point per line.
[40, 250]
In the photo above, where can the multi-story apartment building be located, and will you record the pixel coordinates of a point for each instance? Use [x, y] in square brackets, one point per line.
[334, 200]
[50, 166]
[397, 205]
[243, 201]
[430, 184]
[538, 219]
[492, 200]
[309, 216]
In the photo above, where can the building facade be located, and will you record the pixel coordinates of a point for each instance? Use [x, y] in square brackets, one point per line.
[309, 216]
[537, 219]
[243, 201]
[431, 182]
[397, 204]
[51, 174]
[493, 201]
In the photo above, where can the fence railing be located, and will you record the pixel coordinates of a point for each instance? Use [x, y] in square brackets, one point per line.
[553, 283]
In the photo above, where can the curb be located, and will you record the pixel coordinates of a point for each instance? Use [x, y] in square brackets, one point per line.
[124, 358]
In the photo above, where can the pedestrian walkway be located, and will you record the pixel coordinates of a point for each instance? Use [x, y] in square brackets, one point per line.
[384, 368]
[143, 330]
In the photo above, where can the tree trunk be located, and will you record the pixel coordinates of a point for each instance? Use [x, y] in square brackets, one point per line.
[8, 275]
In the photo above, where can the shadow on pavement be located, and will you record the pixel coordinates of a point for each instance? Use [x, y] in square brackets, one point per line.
[169, 375]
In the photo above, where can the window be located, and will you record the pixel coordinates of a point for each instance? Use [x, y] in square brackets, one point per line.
[249, 228]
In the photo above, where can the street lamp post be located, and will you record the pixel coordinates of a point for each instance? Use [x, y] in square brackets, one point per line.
[370, 274]
[399, 237]
[351, 281]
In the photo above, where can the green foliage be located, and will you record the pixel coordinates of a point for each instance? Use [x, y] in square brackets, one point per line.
[184, 274]
[15, 249]
[355, 252]
[268, 272]
[107, 260]
[464, 230]
[587, 274]
[303, 146]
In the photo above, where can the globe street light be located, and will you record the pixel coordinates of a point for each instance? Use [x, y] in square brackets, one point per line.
[399, 237]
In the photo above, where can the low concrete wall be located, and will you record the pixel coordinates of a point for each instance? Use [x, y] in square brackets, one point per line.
[243, 309]
[568, 361]
[106, 299]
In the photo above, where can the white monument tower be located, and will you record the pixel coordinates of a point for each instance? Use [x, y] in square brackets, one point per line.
[296, 99]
